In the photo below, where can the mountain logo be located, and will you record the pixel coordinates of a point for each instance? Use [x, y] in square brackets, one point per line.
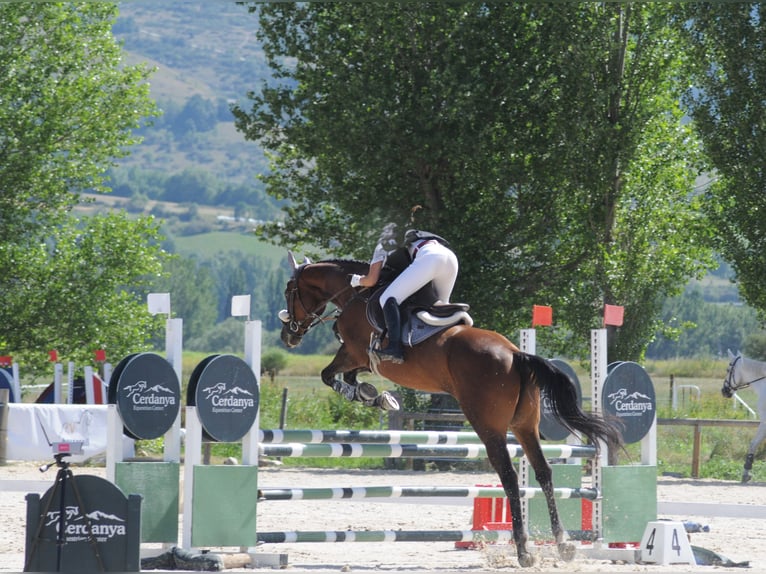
[99, 525]
[154, 397]
[222, 397]
[622, 400]
[224, 390]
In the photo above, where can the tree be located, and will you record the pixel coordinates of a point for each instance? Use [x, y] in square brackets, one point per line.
[193, 294]
[544, 141]
[69, 107]
[273, 361]
[727, 104]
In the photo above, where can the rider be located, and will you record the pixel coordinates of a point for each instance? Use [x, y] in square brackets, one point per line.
[431, 259]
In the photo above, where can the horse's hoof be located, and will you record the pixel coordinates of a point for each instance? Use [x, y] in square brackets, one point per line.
[366, 391]
[526, 560]
[387, 402]
[567, 551]
[745, 478]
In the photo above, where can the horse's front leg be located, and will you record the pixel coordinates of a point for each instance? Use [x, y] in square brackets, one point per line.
[759, 436]
[346, 387]
[352, 389]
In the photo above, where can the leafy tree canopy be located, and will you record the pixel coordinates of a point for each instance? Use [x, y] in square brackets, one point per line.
[68, 107]
[545, 141]
[728, 43]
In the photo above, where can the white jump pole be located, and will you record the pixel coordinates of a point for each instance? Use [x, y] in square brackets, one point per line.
[543, 316]
[240, 307]
[528, 344]
[598, 368]
[16, 381]
[58, 374]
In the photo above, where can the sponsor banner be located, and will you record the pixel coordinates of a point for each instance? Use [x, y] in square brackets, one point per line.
[145, 388]
[628, 394]
[225, 391]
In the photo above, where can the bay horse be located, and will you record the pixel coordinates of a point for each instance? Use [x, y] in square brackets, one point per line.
[497, 386]
[740, 374]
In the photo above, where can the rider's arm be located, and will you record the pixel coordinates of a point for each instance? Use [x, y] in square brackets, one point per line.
[371, 279]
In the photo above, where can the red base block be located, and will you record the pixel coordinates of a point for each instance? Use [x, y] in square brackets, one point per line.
[495, 514]
[489, 514]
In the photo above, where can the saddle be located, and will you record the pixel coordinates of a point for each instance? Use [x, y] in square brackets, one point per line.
[421, 316]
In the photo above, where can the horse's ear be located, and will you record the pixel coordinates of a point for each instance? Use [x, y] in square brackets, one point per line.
[291, 260]
[731, 355]
[306, 260]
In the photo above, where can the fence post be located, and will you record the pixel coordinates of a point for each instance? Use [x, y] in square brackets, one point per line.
[696, 450]
[5, 397]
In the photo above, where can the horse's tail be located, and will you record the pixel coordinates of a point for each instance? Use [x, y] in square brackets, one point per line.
[562, 399]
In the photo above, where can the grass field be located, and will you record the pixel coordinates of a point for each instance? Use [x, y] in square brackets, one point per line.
[206, 245]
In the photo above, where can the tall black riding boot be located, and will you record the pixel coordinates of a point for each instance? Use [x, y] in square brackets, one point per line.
[393, 352]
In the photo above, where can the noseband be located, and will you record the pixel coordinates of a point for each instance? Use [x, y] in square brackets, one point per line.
[312, 318]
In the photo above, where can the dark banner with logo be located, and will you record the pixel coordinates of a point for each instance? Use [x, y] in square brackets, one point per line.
[145, 388]
[628, 395]
[101, 528]
[225, 391]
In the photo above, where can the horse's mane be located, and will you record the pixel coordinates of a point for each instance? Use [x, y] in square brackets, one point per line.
[349, 265]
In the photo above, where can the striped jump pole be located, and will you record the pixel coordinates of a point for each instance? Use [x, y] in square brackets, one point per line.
[463, 536]
[386, 536]
[362, 492]
[309, 436]
[414, 450]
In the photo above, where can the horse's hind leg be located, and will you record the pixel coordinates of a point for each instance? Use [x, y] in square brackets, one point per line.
[544, 475]
[497, 453]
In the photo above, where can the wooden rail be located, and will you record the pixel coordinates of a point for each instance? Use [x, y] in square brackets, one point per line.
[404, 420]
[698, 424]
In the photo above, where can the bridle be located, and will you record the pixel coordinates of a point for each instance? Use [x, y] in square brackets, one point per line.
[312, 317]
[728, 383]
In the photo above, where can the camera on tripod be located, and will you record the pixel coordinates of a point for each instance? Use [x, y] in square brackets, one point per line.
[82, 524]
[67, 447]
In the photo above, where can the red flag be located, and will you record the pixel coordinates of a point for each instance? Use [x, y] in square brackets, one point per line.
[100, 355]
[53, 355]
[542, 315]
[613, 315]
[6, 361]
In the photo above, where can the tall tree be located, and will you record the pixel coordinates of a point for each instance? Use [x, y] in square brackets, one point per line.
[69, 106]
[544, 141]
[728, 106]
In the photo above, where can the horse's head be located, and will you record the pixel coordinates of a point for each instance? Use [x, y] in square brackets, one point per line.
[310, 289]
[305, 304]
[731, 383]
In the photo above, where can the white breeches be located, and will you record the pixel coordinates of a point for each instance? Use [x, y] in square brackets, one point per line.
[433, 262]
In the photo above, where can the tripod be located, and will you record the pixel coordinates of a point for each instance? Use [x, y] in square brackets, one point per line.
[64, 477]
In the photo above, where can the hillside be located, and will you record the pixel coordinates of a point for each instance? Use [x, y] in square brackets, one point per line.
[203, 50]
